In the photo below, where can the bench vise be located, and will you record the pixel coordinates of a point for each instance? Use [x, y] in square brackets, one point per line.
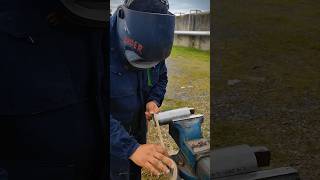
[241, 162]
[193, 158]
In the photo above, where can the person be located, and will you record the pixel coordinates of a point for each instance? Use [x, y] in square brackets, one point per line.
[141, 33]
[52, 122]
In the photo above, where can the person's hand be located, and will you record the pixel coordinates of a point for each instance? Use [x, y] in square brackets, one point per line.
[151, 108]
[153, 158]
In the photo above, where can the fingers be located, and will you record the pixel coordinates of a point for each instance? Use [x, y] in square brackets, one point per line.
[151, 168]
[167, 161]
[152, 107]
[158, 164]
[153, 157]
[161, 150]
[154, 110]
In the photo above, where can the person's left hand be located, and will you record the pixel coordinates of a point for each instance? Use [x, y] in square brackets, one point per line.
[151, 108]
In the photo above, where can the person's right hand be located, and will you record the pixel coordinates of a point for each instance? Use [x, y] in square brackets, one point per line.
[153, 158]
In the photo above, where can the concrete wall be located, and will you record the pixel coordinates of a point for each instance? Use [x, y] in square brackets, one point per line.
[193, 22]
[198, 42]
[198, 22]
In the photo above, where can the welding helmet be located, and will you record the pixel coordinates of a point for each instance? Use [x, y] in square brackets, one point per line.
[145, 33]
[95, 11]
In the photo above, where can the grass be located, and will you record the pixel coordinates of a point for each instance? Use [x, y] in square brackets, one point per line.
[272, 48]
[189, 82]
[191, 54]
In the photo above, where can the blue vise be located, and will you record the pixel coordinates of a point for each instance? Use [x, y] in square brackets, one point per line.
[193, 158]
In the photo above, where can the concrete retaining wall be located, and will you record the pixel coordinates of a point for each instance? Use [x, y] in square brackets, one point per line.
[193, 22]
[198, 42]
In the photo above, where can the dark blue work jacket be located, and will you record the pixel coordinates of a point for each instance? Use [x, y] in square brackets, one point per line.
[51, 113]
[130, 90]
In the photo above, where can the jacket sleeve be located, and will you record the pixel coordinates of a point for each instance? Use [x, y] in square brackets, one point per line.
[158, 90]
[122, 145]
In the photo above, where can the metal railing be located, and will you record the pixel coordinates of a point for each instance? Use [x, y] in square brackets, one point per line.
[193, 33]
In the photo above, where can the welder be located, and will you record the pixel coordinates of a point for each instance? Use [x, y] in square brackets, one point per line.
[141, 33]
[51, 113]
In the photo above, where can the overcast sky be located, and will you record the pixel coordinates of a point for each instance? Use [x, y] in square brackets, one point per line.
[176, 6]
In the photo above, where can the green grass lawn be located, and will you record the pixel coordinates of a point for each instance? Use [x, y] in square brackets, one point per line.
[189, 82]
[272, 48]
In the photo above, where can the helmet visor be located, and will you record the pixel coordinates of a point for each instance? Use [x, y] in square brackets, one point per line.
[146, 38]
[136, 61]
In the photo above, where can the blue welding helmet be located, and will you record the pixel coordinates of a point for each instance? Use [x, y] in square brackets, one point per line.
[146, 38]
